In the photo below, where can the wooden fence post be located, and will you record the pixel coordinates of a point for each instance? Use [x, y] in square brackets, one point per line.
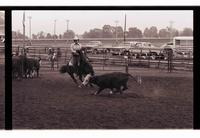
[159, 56]
[34, 53]
[171, 59]
[103, 59]
[170, 54]
[65, 55]
[126, 57]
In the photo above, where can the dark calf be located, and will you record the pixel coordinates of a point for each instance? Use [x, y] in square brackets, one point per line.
[112, 81]
[32, 65]
[23, 66]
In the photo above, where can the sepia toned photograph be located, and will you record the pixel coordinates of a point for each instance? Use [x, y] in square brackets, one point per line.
[108, 69]
[2, 69]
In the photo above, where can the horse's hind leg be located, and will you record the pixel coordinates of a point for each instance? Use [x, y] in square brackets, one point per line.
[90, 84]
[72, 76]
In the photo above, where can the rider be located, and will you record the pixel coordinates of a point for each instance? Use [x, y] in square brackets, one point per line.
[76, 49]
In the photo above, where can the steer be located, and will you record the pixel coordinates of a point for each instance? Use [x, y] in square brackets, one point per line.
[115, 80]
[23, 66]
[18, 67]
[32, 65]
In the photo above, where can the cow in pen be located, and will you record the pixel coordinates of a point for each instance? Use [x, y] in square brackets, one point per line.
[32, 65]
[23, 66]
[115, 80]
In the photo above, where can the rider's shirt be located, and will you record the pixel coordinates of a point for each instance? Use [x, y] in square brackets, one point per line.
[75, 47]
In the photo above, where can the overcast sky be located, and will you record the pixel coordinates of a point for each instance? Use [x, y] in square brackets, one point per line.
[81, 21]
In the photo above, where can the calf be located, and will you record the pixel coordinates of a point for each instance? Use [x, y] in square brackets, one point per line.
[32, 65]
[18, 67]
[112, 81]
[23, 66]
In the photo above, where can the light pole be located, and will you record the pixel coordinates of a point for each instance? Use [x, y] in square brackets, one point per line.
[171, 27]
[67, 29]
[116, 30]
[29, 17]
[23, 23]
[125, 29]
[54, 31]
[67, 25]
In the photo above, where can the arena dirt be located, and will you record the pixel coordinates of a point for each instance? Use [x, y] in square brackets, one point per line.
[53, 101]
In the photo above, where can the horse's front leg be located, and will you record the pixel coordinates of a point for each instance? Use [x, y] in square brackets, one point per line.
[80, 78]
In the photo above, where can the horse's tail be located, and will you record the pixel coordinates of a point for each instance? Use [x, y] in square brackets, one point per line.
[136, 78]
[63, 69]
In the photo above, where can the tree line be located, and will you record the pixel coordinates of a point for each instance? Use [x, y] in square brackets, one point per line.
[1, 22]
[42, 35]
[108, 31]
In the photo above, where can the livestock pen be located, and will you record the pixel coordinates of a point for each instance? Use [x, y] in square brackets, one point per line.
[105, 60]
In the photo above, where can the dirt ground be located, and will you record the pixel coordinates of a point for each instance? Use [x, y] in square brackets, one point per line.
[53, 101]
[2, 96]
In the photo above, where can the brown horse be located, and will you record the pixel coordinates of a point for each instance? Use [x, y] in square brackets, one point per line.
[82, 70]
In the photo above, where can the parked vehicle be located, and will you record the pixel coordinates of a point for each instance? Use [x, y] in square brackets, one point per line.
[152, 55]
[161, 56]
[92, 46]
[141, 56]
[99, 50]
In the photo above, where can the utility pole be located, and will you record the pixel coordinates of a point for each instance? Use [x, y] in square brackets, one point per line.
[126, 57]
[29, 17]
[23, 49]
[125, 29]
[23, 22]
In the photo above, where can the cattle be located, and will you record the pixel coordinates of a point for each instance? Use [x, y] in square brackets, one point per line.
[115, 80]
[17, 67]
[24, 67]
[32, 65]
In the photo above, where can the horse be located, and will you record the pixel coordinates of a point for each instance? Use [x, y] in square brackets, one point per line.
[82, 70]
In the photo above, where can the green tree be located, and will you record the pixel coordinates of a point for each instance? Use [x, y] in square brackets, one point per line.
[151, 32]
[187, 32]
[146, 32]
[119, 31]
[41, 35]
[2, 22]
[107, 31]
[68, 34]
[134, 32]
[18, 35]
[93, 33]
[49, 36]
[163, 33]
[34, 36]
